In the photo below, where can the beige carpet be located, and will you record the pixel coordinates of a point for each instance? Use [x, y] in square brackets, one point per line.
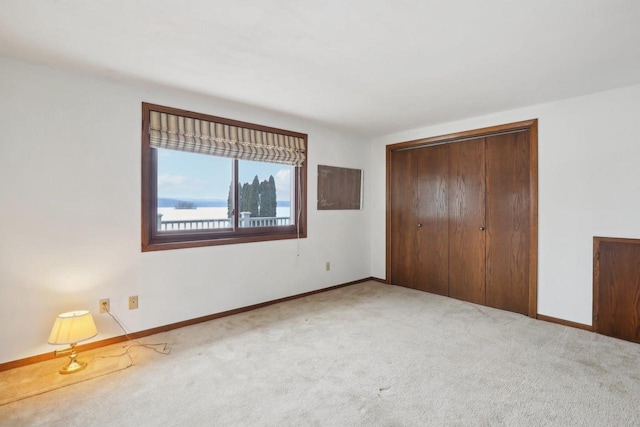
[18, 384]
[367, 354]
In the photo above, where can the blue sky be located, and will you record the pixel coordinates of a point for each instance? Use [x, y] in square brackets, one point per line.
[197, 176]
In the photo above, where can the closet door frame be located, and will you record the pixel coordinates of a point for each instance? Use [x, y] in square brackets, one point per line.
[532, 127]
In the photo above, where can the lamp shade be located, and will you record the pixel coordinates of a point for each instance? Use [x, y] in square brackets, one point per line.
[72, 327]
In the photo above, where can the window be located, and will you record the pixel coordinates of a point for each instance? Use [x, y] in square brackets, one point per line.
[211, 181]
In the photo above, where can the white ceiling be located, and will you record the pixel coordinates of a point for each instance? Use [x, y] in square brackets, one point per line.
[367, 66]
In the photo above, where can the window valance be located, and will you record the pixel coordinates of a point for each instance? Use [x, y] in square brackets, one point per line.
[220, 139]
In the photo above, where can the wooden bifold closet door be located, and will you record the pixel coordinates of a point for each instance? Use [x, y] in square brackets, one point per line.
[460, 219]
[466, 220]
[508, 221]
[420, 218]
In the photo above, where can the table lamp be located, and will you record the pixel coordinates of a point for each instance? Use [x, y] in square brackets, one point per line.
[71, 328]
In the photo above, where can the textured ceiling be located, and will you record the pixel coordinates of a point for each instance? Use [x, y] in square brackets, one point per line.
[367, 66]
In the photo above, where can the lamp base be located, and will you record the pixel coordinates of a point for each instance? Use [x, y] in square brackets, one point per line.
[73, 366]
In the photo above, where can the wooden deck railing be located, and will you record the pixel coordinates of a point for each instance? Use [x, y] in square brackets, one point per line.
[208, 224]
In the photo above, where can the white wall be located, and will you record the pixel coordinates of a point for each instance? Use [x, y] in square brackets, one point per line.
[589, 185]
[70, 215]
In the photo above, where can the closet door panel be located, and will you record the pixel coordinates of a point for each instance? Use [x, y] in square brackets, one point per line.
[466, 221]
[404, 208]
[508, 221]
[433, 218]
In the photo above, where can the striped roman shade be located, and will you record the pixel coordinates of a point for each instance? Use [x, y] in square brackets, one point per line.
[219, 139]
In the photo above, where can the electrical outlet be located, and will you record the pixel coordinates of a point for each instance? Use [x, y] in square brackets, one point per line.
[327, 266]
[105, 306]
[133, 302]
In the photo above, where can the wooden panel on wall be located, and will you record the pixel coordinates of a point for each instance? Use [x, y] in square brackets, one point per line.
[339, 188]
[616, 288]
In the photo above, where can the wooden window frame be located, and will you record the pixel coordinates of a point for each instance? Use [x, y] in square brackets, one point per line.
[154, 240]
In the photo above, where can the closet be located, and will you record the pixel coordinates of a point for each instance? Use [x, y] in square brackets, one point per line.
[462, 216]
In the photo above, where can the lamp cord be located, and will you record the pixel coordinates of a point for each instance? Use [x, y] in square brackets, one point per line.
[155, 347]
[162, 348]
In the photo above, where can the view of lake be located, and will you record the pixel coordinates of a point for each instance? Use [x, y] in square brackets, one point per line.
[173, 214]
